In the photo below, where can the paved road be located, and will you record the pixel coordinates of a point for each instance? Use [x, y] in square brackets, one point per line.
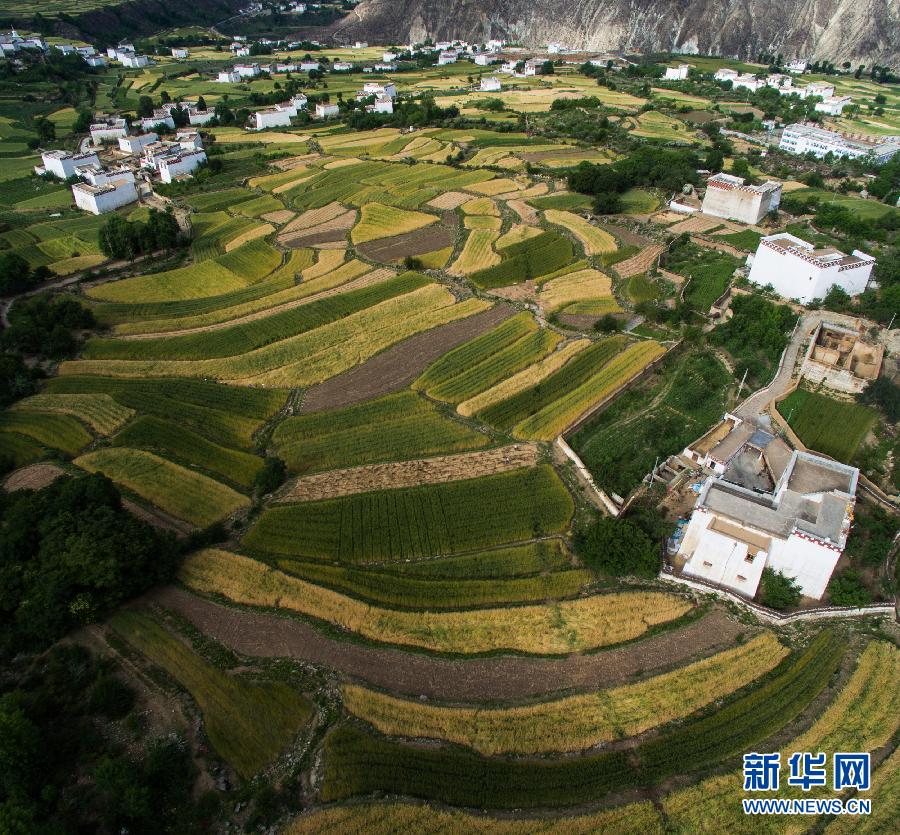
[752, 408]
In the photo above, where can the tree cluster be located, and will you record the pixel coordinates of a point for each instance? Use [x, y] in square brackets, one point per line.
[618, 547]
[120, 238]
[68, 554]
[778, 591]
[17, 277]
[44, 325]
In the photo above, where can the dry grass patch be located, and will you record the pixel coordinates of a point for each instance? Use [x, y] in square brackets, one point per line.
[278, 217]
[498, 186]
[567, 626]
[482, 222]
[576, 722]
[481, 206]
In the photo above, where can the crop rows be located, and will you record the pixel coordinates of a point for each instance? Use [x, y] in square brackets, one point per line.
[507, 413]
[174, 441]
[477, 252]
[228, 415]
[393, 589]
[563, 627]
[379, 221]
[357, 762]
[862, 717]
[49, 429]
[395, 427]
[256, 333]
[394, 525]
[99, 411]
[596, 241]
[531, 258]
[831, 426]
[573, 723]
[526, 560]
[584, 285]
[190, 496]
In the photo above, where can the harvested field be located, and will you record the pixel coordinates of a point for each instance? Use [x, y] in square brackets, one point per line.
[696, 223]
[528, 213]
[625, 235]
[328, 231]
[492, 187]
[667, 217]
[268, 635]
[639, 263]
[373, 477]
[418, 242]
[315, 217]
[524, 292]
[397, 367]
[32, 477]
[327, 261]
[449, 200]
[482, 222]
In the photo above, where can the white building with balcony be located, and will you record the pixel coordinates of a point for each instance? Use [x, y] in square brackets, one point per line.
[104, 198]
[833, 105]
[810, 139]
[110, 130]
[62, 164]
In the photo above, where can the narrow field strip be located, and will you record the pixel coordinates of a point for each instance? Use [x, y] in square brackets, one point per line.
[372, 477]
[583, 285]
[99, 411]
[564, 627]
[188, 495]
[477, 252]
[380, 221]
[575, 722]
[390, 817]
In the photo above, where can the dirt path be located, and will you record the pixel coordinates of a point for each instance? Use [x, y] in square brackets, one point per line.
[370, 477]
[498, 678]
[365, 280]
[398, 366]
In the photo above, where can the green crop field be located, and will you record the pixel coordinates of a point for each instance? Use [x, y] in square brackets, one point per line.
[228, 415]
[390, 428]
[480, 363]
[358, 763]
[835, 427]
[99, 411]
[532, 258]
[175, 489]
[49, 429]
[249, 723]
[394, 525]
[174, 441]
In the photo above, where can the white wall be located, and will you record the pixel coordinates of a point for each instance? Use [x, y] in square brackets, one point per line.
[808, 562]
[272, 119]
[123, 194]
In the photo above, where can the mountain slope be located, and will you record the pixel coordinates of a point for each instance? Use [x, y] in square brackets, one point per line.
[866, 31]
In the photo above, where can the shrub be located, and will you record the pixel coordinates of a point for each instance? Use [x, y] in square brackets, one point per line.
[110, 697]
[778, 591]
[847, 589]
[618, 547]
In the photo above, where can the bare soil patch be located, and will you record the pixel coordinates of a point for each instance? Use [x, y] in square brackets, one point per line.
[371, 477]
[293, 162]
[498, 678]
[413, 243]
[32, 477]
[399, 365]
[524, 292]
[528, 213]
[158, 518]
[329, 231]
[449, 200]
[279, 217]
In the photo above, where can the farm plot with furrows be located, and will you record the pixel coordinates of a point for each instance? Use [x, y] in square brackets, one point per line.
[282, 291]
[834, 427]
[253, 334]
[477, 252]
[516, 235]
[573, 723]
[218, 200]
[132, 315]
[249, 723]
[358, 763]
[584, 286]
[525, 379]
[562, 627]
[329, 231]
[417, 242]
[389, 817]
[390, 589]
[174, 441]
[388, 476]
[639, 263]
[507, 413]
[20, 449]
[541, 557]
[482, 222]
[229, 415]
[213, 277]
[100, 412]
[395, 427]
[862, 717]
[379, 221]
[556, 417]
[393, 525]
[49, 429]
[398, 366]
[532, 258]
[259, 207]
[596, 241]
[186, 494]
[308, 357]
[457, 363]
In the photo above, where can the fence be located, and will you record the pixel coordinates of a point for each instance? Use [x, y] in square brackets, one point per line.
[667, 575]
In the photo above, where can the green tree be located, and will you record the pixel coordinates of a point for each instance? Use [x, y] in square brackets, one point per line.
[618, 547]
[778, 591]
[145, 106]
[848, 589]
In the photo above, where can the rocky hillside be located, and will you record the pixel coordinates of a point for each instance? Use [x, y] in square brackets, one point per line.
[864, 31]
